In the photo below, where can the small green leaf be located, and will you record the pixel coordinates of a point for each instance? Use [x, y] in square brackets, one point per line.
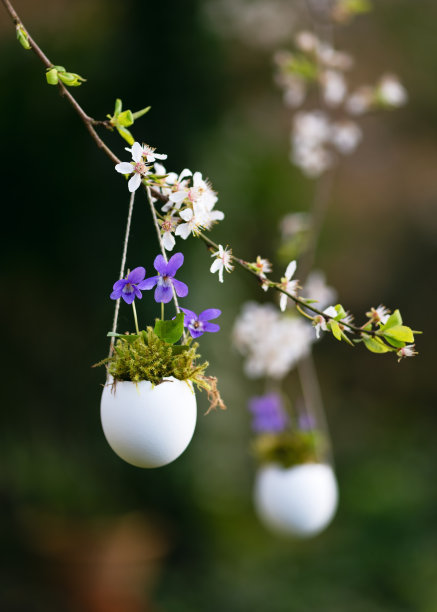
[375, 345]
[401, 333]
[346, 338]
[127, 337]
[118, 107]
[141, 112]
[170, 331]
[335, 328]
[125, 118]
[124, 133]
[393, 320]
[341, 313]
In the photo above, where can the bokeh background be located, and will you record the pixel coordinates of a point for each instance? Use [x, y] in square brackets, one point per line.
[82, 530]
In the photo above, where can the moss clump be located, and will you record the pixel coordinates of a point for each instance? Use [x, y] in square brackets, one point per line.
[289, 448]
[147, 357]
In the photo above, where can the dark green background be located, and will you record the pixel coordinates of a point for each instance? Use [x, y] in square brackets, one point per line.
[185, 537]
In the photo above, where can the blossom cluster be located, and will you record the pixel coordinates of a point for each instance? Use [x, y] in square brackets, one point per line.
[189, 198]
[317, 137]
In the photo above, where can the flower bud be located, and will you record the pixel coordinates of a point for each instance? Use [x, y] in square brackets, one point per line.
[52, 76]
[22, 37]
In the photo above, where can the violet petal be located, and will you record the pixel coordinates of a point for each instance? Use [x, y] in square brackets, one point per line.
[136, 276]
[160, 265]
[117, 293]
[119, 284]
[148, 283]
[181, 288]
[163, 293]
[210, 313]
[174, 263]
[128, 297]
[211, 327]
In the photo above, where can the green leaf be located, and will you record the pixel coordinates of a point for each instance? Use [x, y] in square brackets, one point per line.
[375, 345]
[127, 337]
[170, 331]
[22, 37]
[141, 112]
[118, 107]
[393, 320]
[335, 328]
[341, 313]
[401, 333]
[125, 118]
[124, 133]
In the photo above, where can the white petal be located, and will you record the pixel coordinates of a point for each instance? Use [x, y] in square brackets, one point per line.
[178, 196]
[186, 214]
[137, 152]
[197, 178]
[331, 312]
[172, 177]
[220, 274]
[168, 241]
[216, 265]
[291, 269]
[185, 172]
[134, 182]
[283, 302]
[159, 169]
[124, 168]
[128, 149]
[183, 230]
[217, 215]
[160, 156]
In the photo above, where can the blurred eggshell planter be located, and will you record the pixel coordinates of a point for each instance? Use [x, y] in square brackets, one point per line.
[298, 501]
[148, 426]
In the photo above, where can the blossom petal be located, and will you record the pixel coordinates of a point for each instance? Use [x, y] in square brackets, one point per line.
[148, 283]
[134, 182]
[160, 265]
[184, 174]
[189, 314]
[291, 269]
[216, 265]
[195, 333]
[178, 196]
[183, 230]
[163, 293]
[119, 284]
[211, 327]
[174, 263]
[136, 276]
[168, 241]
[117, 293]
[124, 168]
[283, 302]
[180, 287]
[210, 313]
[160, 155]
[128, 297]
[137, 152]
[138, 293]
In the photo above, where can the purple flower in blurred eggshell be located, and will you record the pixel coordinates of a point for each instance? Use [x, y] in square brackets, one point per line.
[129, 288]
[199, 324]
[268, 413]
[165, 281]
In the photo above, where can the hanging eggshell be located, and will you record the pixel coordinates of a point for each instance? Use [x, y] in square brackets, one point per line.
[299, 501]
[148, 426]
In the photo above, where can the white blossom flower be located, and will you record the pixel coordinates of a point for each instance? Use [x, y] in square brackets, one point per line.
[176, 188]
[222, 261]
[294, 223]
[168, 226]
[271, 343]
[406, 351]
[148, 153]
[379, 315]
[320, 323]
[391, 92]
[345, 136]
[306, 41]
[138, 167]
[193, 221]
[334, 87]
[291, 286]
[311, 131]
[315, 288]
[360, 100]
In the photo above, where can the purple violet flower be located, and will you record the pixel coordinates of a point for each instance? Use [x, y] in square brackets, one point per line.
[268, 412]
[129, 288]
[199, 324]
[165, 280]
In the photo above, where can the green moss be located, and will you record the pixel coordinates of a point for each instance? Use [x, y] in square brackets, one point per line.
[289, 448]
[147, 357]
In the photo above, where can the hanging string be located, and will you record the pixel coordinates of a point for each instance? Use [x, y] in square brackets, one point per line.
[122, 267]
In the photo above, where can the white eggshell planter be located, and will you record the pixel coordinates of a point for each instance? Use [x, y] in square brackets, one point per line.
[148, 426]
[299, 501]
